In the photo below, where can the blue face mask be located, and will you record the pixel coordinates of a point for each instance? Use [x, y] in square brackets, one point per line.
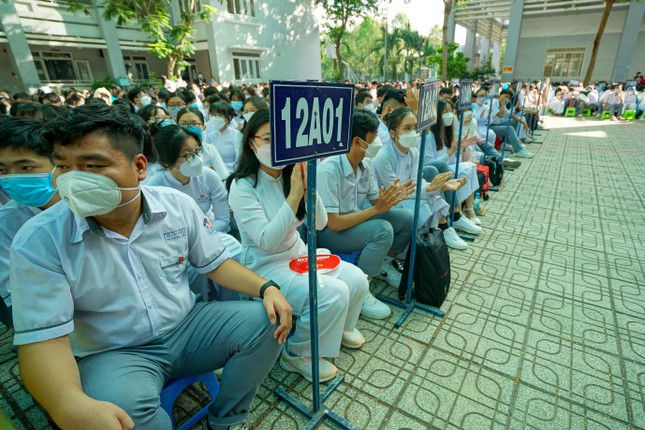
[31, 189]
[237, 106]
[198, 131]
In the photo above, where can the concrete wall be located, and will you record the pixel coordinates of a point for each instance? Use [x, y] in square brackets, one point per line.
[574, 30]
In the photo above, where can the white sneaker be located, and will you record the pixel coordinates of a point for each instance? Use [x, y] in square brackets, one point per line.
[464, 224]
[475, 219]
[453, 240]
[302, 364]
[352, 339]
[508, 147]
[375, 309]
[389, 274]
[524, 153]
[513, 164]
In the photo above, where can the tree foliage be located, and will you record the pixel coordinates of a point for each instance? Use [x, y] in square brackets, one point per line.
[340, 15]
[456, 62]
[171, 39]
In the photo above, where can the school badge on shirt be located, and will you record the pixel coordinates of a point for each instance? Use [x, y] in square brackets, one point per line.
[207, 224]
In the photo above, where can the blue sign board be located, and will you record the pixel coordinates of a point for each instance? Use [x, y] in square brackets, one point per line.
[428, 97]
[465, 94]
[309, 120]
[631, 83]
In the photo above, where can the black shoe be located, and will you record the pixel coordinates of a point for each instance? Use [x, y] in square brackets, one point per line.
[398, 265]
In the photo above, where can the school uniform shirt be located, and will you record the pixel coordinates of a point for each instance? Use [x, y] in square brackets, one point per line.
[480, 114]
[228, 144]
[213, 160]
[391, 163]
[70, 276]
[341, 190]
[383, 133]
[13, 216]
[467, 169]
[151, 170]
[611, 98]
[267, 227]
[208, 192]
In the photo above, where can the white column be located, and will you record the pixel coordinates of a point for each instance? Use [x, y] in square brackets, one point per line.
[513, 40]
[627, 47]
[497, 52]
[19, 51]
[484, 48]
[451, 26]
[469, 47]
[113, 54]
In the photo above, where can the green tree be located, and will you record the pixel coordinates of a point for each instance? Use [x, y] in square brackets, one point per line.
[172, 40]
[448, 5]
[484, 71]
[340, 15]
[456, 62]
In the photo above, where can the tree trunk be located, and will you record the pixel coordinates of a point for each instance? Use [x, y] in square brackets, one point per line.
[339, 58]
[172, 61]
[444, 44]
[596, 41]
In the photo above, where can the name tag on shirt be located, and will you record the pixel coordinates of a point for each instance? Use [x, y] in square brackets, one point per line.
[174, 235]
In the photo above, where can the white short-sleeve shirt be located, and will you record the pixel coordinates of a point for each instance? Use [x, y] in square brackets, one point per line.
[12, 217]
[343, 191]
[70, 276]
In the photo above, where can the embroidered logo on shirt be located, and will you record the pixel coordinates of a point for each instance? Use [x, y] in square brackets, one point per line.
[174, 235]
[207, 224]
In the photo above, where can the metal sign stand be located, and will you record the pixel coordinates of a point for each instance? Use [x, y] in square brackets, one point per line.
[318, 412]
[408, 306]
[311, 93]
[493, 96]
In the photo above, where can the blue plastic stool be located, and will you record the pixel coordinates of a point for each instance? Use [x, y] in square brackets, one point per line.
[174, 387]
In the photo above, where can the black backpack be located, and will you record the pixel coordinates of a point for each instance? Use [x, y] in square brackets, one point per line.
[496, 170]
[431, 269]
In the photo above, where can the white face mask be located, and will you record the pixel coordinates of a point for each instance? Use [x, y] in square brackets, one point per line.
[409, 140]
[447, 118]
[264, 156]
[146, 100]
[192, 167]
[247, 116]
[216, 123]
[90, 194]
[370, 107]
[373, 148]
[468, 116]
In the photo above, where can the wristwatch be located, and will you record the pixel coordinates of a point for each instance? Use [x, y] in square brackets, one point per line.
[264, 287]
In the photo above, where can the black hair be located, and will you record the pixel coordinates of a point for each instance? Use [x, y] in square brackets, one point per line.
[248, 164]
[193, 110]
[73, 99]
[380, 92]
[24, 132]
[397, 95]
[189, 98]
[223, 109]
[361, 96]
[394, 119]
[168, 140]
[133, 93]
[209, 91]
[445, 90]
[442, 135]
[363, 122]
[178, 94]
[148, 111]
[236, 92]
[47, 113]
[52, 97]
[220, 97]
[125, 132]
[162, 94]
[23, 109]
[258, 102]
[22, 96]
[96, 101]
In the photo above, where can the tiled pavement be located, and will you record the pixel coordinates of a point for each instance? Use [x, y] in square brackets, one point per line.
[544, 324]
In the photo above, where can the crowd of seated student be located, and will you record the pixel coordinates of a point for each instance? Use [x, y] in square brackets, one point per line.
[155, 183]
[614, 97]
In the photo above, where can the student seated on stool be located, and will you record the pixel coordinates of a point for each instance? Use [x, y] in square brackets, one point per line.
[359, 217]
[103, 314]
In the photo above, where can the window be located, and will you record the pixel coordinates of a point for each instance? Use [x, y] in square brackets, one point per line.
[564, 62]
[241, 7]
[136, 67]
[83, 70]
[246, 65]
[56, 66]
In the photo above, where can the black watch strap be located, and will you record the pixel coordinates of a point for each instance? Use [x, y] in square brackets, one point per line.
[264, 287]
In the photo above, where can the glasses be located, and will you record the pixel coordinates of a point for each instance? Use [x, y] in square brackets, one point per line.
[265, 140]
[407, 128]
[194, 124]
[172, 105]
[191, 155]
[154, 119]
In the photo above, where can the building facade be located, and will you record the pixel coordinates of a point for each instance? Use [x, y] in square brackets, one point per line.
[42, 43]
[554, 38]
